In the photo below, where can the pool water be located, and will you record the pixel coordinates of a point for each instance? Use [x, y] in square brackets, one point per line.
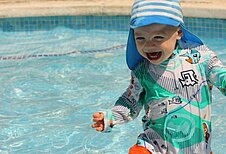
[47, 102]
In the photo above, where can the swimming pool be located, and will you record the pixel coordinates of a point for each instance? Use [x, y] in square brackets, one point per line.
[57, 71]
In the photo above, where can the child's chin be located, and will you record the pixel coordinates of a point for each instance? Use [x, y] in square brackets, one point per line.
[156, 62]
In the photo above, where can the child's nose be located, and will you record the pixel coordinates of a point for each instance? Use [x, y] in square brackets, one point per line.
[150, 43]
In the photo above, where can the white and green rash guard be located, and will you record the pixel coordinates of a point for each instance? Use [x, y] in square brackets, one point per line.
[176, 96]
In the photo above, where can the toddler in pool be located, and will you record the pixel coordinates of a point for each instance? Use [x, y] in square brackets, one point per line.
[172, 74]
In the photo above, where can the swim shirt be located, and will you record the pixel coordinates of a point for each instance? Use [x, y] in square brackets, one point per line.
[176, 96]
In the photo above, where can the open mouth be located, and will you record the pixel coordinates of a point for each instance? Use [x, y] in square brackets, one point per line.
[154, 55]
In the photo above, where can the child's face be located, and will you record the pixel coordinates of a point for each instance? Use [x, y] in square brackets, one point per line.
[156, 42]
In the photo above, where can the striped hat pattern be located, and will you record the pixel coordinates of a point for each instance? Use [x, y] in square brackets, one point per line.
[146, 12]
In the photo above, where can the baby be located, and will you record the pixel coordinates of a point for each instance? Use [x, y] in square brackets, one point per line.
[172, 74]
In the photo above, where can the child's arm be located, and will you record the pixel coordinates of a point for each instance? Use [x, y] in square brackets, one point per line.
[126, 108]
[217, 73]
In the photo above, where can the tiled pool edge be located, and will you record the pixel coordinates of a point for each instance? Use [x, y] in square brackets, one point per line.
[208, 9]
[205, 27]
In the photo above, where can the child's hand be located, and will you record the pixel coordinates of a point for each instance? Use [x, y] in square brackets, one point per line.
[98, 118]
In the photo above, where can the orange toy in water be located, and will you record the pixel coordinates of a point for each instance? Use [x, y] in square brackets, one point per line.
[138, 150]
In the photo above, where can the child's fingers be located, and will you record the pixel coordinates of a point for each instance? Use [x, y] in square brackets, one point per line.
[100, 127]
[94, 125]
[98, 116]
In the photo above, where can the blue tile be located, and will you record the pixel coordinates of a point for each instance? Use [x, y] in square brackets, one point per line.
[201, 26]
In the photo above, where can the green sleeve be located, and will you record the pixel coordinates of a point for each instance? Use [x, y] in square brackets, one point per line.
[129, 105]
[217, 73]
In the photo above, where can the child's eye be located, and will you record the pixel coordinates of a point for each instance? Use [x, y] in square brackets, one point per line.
[140, 38]
[159, 38]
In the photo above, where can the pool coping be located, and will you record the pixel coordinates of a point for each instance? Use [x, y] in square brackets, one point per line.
[23, 8]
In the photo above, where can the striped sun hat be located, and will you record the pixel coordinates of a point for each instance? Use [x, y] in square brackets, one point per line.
[146, 12]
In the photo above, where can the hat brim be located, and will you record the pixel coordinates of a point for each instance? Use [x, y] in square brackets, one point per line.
[133, 57]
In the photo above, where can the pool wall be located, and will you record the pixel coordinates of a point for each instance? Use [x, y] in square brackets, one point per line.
[203, 17]
[206, 27]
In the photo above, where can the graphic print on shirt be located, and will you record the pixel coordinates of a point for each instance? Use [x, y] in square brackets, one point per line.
[184, 84]
[180, 127]
[193, 56]
[189, 78]
[132, 93]
[206, 132]
[175, 100]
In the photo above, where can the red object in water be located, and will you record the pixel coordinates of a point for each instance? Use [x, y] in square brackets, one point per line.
[138, 150]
